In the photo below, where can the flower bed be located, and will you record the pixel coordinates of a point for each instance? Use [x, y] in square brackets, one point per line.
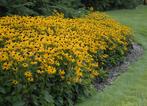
[53, 60]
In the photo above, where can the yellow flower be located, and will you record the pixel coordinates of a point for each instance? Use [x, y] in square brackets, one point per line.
[15, 69]
[30, 79]
[25, 65]
[14, 82]
[6, 66]
[61, 72]
[51, 70]
[78, 72]
[28, 74]
[33, 62]
[40, 72]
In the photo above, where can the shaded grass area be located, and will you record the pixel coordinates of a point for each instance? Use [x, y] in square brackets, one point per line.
[129, 89]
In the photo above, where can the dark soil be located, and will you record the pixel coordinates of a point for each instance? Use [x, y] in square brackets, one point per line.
[114, 72]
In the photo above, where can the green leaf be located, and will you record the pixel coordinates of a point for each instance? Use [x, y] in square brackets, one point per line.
[35, 100]
[1, 99]
[29, 4]
[2, 90]
[48, 97]
[19, 103]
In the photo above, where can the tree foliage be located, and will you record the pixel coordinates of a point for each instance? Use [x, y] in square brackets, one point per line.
[111, 4]
[71, 8]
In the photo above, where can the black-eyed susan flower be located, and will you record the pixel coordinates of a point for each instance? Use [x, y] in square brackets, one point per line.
[14, 82]
[51, 43]
[28, 74]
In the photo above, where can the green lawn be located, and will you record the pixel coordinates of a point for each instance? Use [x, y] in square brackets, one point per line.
[130, 89]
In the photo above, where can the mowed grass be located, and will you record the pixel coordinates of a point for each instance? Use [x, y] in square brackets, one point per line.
[129, 89]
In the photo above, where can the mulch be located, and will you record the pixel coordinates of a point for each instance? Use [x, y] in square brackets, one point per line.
[114, 72]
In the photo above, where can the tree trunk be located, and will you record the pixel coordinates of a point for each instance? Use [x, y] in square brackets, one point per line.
[145, 2]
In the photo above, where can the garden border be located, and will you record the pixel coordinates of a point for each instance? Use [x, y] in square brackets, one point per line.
[114, 72]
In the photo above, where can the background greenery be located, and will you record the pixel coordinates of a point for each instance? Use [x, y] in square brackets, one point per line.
[71, 8]
[112, 4]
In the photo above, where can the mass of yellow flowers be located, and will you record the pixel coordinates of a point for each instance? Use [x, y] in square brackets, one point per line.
[31, 47]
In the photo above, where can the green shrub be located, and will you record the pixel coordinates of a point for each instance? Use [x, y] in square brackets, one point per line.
[111, 4]
[18, 7]
[71, 8]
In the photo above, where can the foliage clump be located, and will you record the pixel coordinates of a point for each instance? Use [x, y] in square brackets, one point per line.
[71, 8]
[111, 4]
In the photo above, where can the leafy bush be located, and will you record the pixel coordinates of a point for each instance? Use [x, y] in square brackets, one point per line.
[19, 7]
[71, 8]
[111, 4]
[46, 61]
[127, 3]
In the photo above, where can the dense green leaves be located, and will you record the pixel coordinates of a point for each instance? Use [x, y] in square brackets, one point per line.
[111, 4]
[71, 8]
[19, 7]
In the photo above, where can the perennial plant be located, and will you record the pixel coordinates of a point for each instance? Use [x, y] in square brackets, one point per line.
[52, 57]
